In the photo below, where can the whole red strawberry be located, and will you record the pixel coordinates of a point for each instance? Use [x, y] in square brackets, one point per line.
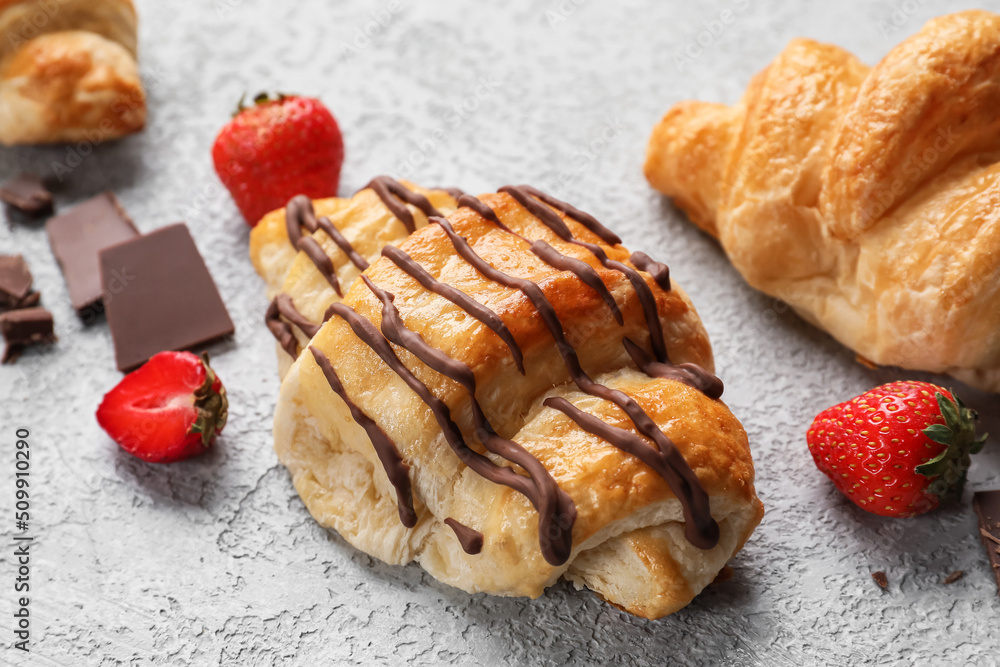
[898, 449]
[168, 410]
[276, 149]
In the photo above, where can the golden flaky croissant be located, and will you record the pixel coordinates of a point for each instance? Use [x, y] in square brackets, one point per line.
[68, 71]
[508, 397]
[867, 198]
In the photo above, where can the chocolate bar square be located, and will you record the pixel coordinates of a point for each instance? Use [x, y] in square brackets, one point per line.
[160, 296]
[78, 235]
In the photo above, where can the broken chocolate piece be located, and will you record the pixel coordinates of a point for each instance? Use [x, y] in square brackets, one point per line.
[78, 235]
[987, 506]
[881, 579]
[15, 283]
[160, 296]
[27, 194]
[20, 328]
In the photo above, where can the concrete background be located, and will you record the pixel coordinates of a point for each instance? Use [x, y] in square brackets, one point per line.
[215, 560]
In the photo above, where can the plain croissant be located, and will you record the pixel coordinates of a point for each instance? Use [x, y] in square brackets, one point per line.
[867, 198]
[506, 396]
[68, 71]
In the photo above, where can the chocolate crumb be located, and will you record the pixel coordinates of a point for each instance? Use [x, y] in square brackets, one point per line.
[954, 576]
[881, 579]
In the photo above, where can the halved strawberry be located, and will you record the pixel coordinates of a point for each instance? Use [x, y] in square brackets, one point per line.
[168, 410]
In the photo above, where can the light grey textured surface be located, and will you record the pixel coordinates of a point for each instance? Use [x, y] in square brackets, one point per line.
[215, 560]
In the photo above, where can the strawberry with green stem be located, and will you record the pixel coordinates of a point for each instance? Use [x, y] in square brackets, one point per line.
[897, 450]
[276, 148]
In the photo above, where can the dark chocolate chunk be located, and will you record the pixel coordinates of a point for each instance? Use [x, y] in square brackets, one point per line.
[20, 328]
[27, 194]
[160, 296]
[15, 283]
[987, 506]
[881, 579]
[78, 236]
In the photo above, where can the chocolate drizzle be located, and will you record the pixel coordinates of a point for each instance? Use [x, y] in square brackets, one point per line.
[532, 200]
[342, 243]
[299, 213]
[545, 252]
[324, 264]
[555, 550]
[396, 196]
[283, 306]
[287, 308]
[692, 375]
[484, 211]
[470, 539]
[281, 330]
[585, 272]
[385, 448]
[659, 270]
[701, 529]
[457, 297]
[555, 508]
[585, 219]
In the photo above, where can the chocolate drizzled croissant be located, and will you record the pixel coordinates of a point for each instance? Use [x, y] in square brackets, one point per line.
[542, 424]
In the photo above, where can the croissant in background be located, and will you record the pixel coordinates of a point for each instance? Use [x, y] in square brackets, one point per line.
[866, 198]
[506, 396]
[68, 71]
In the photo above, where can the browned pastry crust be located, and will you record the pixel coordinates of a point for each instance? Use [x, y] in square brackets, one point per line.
[864, 197]
[629, 539]
[68, 71]
[365, 223]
